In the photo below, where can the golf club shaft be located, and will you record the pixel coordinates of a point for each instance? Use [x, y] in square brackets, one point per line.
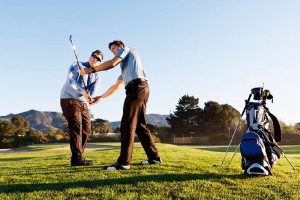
[233, 155]
[78, 65]
[289, 162]
[231, 141]
[286, 158]
[246, 103]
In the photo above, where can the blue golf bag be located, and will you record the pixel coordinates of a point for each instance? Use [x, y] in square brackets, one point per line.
[259, 150]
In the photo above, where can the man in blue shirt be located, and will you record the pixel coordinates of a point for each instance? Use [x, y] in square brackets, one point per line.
[134, 109]
[76, 96]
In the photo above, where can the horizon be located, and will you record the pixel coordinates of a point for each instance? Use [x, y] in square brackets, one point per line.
[212, 50]
[2, 116]
[111, 121]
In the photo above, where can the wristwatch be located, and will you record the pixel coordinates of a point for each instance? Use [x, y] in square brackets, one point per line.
[93, 70]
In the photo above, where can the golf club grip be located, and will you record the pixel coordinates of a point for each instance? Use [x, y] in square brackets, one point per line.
[246, 103]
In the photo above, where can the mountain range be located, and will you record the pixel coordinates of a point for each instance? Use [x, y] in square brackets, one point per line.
[46, 121]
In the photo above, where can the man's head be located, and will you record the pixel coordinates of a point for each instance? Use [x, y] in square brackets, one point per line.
[96, 56]
[115, 45]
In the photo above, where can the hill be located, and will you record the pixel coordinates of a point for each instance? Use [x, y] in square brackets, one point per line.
[46, 121]
[41, 121]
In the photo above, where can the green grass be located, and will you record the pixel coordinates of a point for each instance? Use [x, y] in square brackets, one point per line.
[38, 147]
[187, 173]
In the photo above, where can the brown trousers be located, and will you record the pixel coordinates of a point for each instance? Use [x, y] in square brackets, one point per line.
[78, 117]
[133, 122]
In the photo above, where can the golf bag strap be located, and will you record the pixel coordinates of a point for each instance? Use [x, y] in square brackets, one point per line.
[276, 125]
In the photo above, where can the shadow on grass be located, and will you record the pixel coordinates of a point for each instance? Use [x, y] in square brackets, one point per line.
[101, 146]
[112, 148]
[12, 188]
[54, 170]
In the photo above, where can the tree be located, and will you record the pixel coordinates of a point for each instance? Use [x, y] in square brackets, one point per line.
[56, 136]
[154, 132]
[187, 116]
[101, 126]
[219, 118]
[7, 129]
[231, 117]
[212, 120]
[21, 124]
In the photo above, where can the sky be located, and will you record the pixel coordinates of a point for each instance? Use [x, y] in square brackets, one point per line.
[213, 50]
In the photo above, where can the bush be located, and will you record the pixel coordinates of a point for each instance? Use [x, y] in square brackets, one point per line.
[104, 138]
[218, 139]
[7, 142]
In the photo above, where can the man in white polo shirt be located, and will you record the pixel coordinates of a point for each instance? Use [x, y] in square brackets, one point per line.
[134, 109]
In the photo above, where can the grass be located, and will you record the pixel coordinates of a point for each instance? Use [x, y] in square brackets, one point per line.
[186, 173]
[38, 147]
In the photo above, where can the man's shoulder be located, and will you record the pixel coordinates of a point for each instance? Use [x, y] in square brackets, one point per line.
[75, 66]
[130, 50]
[85, 64]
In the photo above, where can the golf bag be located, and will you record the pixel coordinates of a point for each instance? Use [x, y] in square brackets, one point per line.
[259, 150]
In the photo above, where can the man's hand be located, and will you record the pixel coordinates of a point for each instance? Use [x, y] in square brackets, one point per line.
[85, 71]
[96, 100]
[88, 97]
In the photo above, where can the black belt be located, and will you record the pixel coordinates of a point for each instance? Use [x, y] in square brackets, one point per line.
[136, 81]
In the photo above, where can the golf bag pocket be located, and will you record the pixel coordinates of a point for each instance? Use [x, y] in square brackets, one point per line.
[254, 155]
[252, 146]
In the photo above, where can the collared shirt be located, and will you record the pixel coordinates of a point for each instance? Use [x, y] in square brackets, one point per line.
[74, 85]
[131, 65]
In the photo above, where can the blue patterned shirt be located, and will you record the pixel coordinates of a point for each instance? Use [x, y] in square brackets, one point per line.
[74, 85]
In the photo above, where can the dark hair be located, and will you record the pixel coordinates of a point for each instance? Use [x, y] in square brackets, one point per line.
[97, 53]
[116, 42]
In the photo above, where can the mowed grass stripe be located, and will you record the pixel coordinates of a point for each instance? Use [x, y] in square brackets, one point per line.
[187, 173]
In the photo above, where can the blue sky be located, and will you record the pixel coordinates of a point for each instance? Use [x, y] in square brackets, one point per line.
[214, 50]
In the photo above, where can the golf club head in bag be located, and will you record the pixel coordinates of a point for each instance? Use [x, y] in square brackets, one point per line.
[258, 148]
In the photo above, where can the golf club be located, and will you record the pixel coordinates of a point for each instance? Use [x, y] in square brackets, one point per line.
[246, 103]
[78, 65]
[236, 149]
[235, 130]
[286, 158]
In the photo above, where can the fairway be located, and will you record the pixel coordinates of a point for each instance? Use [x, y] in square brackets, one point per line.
[187, 173]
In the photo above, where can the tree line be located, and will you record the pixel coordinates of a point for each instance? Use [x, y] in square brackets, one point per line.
[16, 132]
[214, 121]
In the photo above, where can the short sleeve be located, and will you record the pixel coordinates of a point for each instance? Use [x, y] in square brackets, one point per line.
[120, 77]
[123, 52]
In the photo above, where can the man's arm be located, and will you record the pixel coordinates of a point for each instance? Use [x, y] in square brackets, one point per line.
[102, 67]
[114, 88]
